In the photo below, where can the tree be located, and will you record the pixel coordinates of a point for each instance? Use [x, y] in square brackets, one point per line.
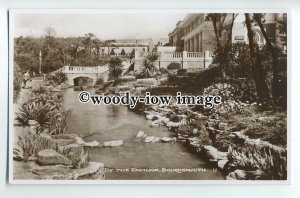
[115, 65]
[223, 39]
[149, 65]
[258, 17]
[112, 52]
[50, 32]
[256, 67]
[123, 52]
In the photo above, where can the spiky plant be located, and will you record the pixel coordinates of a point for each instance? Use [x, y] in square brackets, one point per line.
[35, 111]
[272, 162]
[58, 123]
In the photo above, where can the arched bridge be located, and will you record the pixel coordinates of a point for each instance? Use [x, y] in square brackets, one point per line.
[91, 72]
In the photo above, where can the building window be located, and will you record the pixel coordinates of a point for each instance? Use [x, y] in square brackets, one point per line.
[258, 37]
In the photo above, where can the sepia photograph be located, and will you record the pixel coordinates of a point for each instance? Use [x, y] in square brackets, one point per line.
[101, 96]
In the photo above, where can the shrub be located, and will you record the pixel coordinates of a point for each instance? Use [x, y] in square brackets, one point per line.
[29, 145]
[58, 123]
[174, 65]
[58, 78]
[99, 81]
[273, 163]
[17, 81]
[182, 72]
[115, 69]
[163, 71]
[79, 157]
[35, 111]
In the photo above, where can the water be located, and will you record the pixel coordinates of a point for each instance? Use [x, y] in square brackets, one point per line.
[107, 123]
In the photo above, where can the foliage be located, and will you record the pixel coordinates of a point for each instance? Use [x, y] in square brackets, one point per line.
[58, 123]
[79, 157]
[270, 129]
[115, 65]
[272, 162]
[123, 52]
[29, 145]
[17, 81]
[112, 52]
[182, 72]
[58, 77]
[164, 71]
[99, 81]
[149, 65]
[174, 65]
[35, 111]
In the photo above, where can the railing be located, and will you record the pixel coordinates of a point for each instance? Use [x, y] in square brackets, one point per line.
[195, 55]
[171, 55]
[79, 69]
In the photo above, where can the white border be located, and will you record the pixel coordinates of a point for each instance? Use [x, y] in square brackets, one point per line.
[12, 12]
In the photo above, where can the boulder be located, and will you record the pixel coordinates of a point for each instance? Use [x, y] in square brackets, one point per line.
[155, 123]
[114, 143]
[140, 134]
[93, 170]
[221, 164]
[79, 140]
[151, 139]
[156, 139]
[166, 139]
[92, 144]
[213, 154]
[50, 156]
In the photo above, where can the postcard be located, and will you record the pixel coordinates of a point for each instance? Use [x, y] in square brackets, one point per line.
[148, 96]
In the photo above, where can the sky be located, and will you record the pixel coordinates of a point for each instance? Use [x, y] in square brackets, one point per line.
[103, 25]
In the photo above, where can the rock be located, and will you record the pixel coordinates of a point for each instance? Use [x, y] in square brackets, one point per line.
[123, 88]
[147, 81]
[65, 136]
[195, 131]
[33, 127]
[151, 139]
[94, 170]
[127, 78]
[79, 140]
[213, 154]
[221, 164]
[114, 143]
[155, 123]
[92, 144]
[71, 146]
[140, 134]
[64, 142]
[156, 139]
[246, 175]
[50, 156]
[166, 139]
[236, 175]
[171, 124]
[222, 126]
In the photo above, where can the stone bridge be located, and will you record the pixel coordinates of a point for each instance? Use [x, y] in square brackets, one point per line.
[91, 72]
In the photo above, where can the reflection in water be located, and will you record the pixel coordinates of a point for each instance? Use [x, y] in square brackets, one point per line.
[107, 123]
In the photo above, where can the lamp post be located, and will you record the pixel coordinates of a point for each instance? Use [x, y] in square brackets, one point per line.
[40, 62]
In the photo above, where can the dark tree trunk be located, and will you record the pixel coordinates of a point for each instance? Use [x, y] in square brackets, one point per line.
[257, 72]
[257, 18]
